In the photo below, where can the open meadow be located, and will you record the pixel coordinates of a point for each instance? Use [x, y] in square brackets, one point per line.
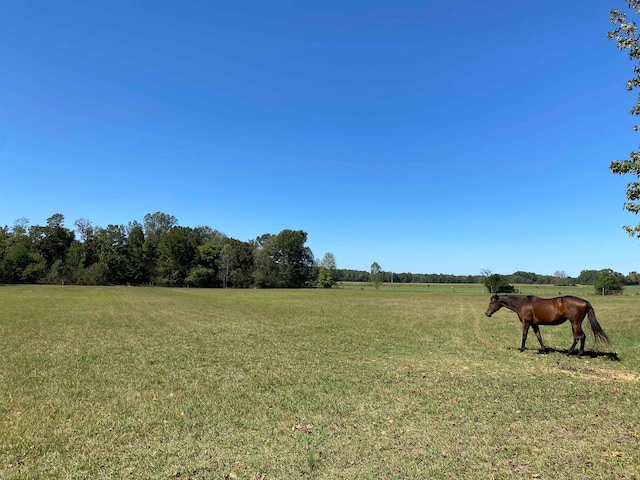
[398, 383]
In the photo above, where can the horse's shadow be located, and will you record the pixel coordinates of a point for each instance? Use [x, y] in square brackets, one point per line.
[613, 356]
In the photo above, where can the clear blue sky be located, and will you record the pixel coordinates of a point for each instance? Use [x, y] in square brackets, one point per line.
[430, 137]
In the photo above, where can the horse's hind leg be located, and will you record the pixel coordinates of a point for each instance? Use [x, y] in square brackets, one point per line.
[525, 332]
[582, 339]
[578, 334]
[536, 330]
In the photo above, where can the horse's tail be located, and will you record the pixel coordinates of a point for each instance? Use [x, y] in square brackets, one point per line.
[598, 332]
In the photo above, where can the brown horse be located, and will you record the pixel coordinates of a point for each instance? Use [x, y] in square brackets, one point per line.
[535, 311]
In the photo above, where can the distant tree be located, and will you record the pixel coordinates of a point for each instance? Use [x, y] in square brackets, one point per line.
[20, 226]
[327, 271]
[53, 241]
[4, 237]
[209, 255]
[157, 224]
[89, 251]
[633, 278]
[588, 277]
[74, 263]
[295, 259]
[627, 38]
[205, 273]
[35, 269]
[113, 255]
[226, 264]
[177, 255]
[405, 277]
[201, 277]
[496, 283]
[345, 275]
[209, 235]
[140, 266]
[608, 283]
[283, 260]
[16, 253]
[375, 275]
[561, 278]
[266, 262]
[21, 262]
[532, 278]
[243, 265]
[85, 228]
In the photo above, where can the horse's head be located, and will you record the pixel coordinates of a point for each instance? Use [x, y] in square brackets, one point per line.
[494, 305]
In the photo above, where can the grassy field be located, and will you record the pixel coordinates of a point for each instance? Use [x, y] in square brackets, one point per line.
[103, 383]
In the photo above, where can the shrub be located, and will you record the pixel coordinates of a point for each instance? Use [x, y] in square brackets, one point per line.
[498, 284]
[201, 277]
[608, 284]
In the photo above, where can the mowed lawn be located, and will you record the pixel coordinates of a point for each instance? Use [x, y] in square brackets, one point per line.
[116, 382]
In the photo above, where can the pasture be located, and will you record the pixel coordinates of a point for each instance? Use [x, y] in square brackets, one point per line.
[115, 382]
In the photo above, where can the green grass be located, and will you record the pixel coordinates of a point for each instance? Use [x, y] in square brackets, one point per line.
[279, 384]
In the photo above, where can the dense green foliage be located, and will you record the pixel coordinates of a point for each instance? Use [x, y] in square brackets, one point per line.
[159, 252]
[608, 284]
[627, 38]
[498, 284]
[327, 271]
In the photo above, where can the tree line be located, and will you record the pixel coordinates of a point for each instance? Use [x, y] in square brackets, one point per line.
[605, 282]
[586, 277]
[346, 275]
[160, 252]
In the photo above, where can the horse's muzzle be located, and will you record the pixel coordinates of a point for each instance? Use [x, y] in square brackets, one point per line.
[488, 313]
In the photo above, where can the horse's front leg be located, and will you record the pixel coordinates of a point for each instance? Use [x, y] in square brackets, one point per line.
[536, 329]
